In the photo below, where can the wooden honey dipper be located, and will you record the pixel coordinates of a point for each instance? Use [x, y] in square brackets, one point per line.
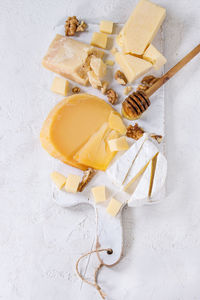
[137, 102]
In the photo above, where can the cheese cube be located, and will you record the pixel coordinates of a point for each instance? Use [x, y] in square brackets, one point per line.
[152, 55]
[98, 66]
[133, 67]
[60, 86]
[106, 26]
[114, 207]
[118, 144]
[72, 183]
[99, 39]
[58, 179]
[99, 193]
[115, 122]
[94, 80]
[109, 62]
[141, 27]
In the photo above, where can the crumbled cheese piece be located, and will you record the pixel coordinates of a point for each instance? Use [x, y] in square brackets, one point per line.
[72, 183]
[127, 90]
[115, 122]
[98, 66]
[60, 86]
[58, 179]
[99, 193]
[118, 144]
[99, 39]
[114, 207]
[94, 80]
[106, 26]
[109, 62]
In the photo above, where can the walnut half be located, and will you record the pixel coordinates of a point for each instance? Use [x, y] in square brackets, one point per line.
[112, 96]
[72, 25]
[135, 132]
[121, 78]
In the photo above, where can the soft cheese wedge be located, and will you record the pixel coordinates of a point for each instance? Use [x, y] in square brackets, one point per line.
[133, 67]
[71, 123]
[96, 153]
[159, 175]
[141, 27]
[69, 58]
[147, 153]
[120, 168]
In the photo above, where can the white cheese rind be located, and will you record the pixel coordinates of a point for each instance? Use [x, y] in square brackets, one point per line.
[160, 174]
[148, 151]
[141, 193]
[119, 169]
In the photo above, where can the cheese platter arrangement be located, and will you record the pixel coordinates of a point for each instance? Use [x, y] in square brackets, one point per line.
[107, 142]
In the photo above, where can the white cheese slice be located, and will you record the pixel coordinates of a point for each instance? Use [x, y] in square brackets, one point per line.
[148, 151]
[141, 193]
[159, 175]
[119, 169]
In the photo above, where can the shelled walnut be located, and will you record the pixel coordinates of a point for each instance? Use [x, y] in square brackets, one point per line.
[76, 90]
[120, 78]
[147, 82]
[88, 175]
[157, 137]
[135, 132]
[73, 25]
[112, 96]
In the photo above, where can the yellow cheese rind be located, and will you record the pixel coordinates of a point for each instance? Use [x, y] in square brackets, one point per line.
[99, 193]
[141, 27]
[152, 55]
[60, 86]
[106, 26]
[71, 123]
[58, 179]
[113, 207]
[99, 40]
[115, 122]
[72, 183]
[119, 144]
[67, 57]
[133, 67]
[96, 153]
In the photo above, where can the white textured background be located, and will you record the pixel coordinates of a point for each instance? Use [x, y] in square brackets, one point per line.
[39, 241]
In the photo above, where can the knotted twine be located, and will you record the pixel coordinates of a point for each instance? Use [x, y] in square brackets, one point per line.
[94, 284]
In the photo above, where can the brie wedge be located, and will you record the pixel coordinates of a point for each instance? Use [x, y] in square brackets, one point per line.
[148, 151]
[120, 168]
[159, 175]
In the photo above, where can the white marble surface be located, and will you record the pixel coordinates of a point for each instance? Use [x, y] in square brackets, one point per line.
[39, 241]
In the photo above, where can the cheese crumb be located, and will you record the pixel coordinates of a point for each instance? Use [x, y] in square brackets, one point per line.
[99, 193]
[94, 80]
[114, 207]
[60, 86]
[58, 179]
[72, 183]
[98, 66]
[127, 90]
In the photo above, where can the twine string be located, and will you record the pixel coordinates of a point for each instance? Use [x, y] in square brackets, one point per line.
[94, 284]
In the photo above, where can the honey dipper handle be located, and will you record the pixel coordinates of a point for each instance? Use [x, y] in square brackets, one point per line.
[173, 71]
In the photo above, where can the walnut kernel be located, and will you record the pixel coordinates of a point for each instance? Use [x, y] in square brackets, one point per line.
[121, 78]
[71, 26]
[112, 96]
[81, 27]
[76, 90]
[135, 132]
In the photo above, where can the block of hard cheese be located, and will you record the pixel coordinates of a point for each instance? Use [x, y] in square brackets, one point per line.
[152, 55]
[133, 67]
[115, 122]
[70, 125]
[141, 27]
[67, 57]
[99, 40]
[106, 26]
